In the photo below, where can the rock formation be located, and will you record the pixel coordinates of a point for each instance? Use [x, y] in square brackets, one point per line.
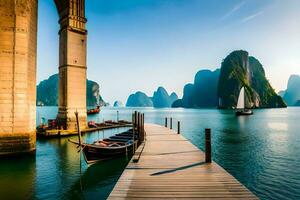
[202, 93]
[47, 92]
[239, 70]
[161, 98]
[139, 99]
[118, 104]
[292, 93]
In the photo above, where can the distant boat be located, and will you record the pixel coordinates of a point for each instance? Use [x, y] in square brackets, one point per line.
[93, 111]
[240, 108]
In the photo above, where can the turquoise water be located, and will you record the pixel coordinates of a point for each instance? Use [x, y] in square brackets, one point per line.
[262, 151]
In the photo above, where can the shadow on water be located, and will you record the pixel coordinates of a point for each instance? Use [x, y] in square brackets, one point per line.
[101, 175]
[17, 177]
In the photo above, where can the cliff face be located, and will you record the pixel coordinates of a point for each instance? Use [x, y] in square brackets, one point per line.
[239, 70]
[47, 92]
[161, 98]
[139, 99]
[203, 93]
[292, 93]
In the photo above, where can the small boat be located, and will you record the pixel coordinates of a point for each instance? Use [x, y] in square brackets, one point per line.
[92, 124]
[93, 111]
[240, 108]
[109, 148]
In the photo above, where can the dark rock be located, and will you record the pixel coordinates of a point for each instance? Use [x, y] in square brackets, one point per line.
[203, 93]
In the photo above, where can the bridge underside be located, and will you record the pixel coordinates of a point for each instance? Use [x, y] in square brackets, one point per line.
[18, 46]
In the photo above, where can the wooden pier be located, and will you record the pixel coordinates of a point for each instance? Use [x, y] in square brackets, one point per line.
[169, 166]
[44, 133]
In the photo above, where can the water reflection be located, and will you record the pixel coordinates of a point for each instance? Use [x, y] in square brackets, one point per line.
[18, 177]
[261, 151]
[102, 175]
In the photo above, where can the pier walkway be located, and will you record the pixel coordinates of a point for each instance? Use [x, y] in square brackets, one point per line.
[171, 167]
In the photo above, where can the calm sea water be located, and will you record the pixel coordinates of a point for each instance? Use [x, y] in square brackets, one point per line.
[262, 151]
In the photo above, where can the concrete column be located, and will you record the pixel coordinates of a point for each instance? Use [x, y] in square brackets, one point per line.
[18, 45]
[72, 63]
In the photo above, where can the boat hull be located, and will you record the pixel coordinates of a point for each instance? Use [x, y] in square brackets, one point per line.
[243, 112]
[93, 154]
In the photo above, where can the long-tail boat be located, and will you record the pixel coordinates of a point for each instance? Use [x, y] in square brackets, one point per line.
[108, 148]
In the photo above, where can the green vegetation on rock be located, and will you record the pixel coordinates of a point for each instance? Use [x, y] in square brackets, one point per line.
[47, 92]
[239, 70]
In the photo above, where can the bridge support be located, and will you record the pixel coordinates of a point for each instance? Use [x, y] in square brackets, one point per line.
[18, 37]
[72, 63]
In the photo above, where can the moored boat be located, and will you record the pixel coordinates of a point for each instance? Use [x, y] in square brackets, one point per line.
[93, 110]
[108, 148]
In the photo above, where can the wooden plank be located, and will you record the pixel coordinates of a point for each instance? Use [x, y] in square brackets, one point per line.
[171, 167]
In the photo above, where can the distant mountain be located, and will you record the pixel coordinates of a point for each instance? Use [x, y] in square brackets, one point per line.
[118, 104]
[239, 70]
[47, 92]
[202, 93]
[139, 99]
[292, 93]
[173, 97]
[161, 98]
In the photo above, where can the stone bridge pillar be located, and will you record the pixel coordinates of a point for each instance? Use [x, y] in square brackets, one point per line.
[72, 62]
[18, 36]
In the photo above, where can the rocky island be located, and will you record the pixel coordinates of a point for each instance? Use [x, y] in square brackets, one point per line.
[220, 88]
[202, 93]
[160, 99]
[292, 94]
[139, 99]
[118, 104]
[241, 70]
[47, 92]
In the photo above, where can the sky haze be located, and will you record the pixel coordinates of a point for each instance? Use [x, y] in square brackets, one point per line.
[140, 45]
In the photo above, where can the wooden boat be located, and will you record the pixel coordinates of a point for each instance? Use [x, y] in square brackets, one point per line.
[240, 108]
[109, 148]
[93, 111]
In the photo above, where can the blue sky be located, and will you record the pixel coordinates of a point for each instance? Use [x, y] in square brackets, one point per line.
[142, 44]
